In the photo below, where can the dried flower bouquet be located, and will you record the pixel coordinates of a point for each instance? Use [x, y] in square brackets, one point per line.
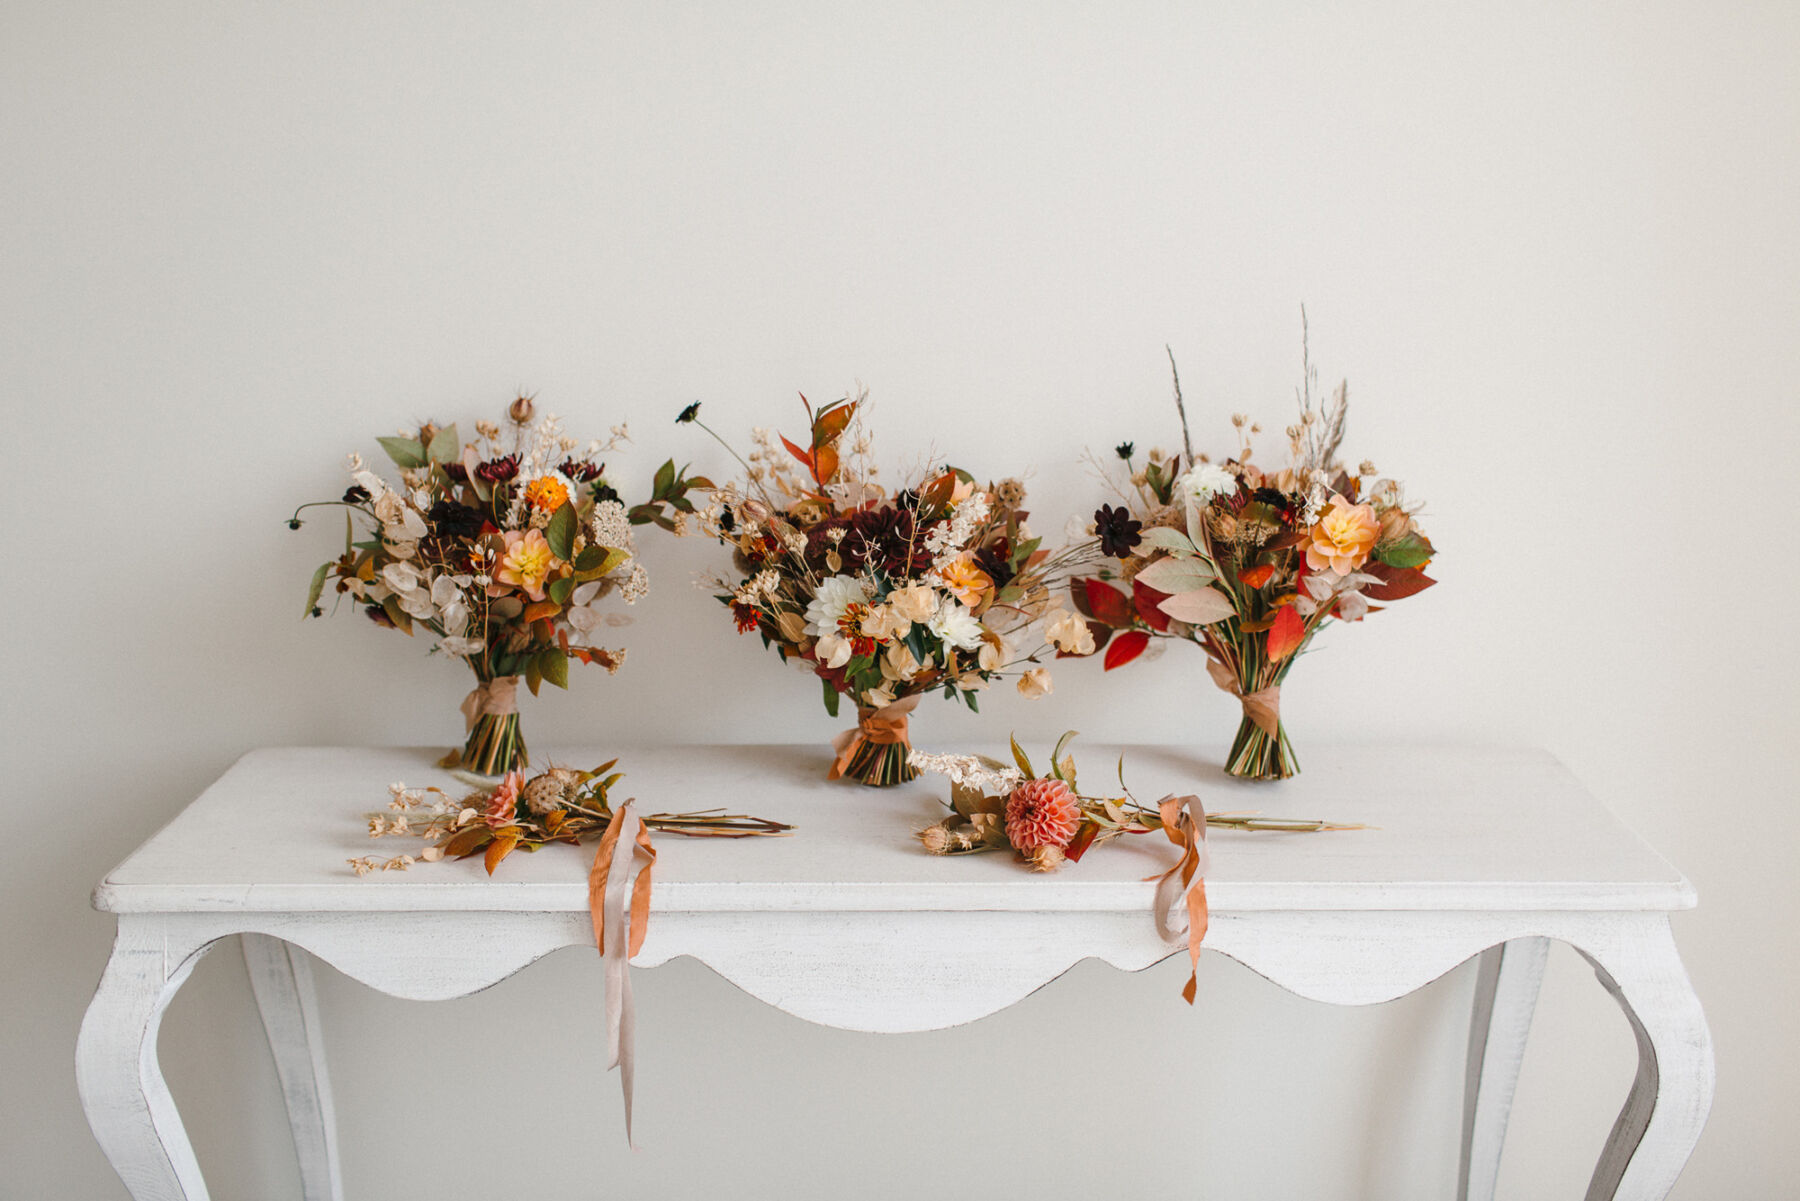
[1250, 563]
[885, 597]
[503, 548]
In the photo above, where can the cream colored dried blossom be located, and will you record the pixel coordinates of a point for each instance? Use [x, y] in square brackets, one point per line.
[1067, 632]
[362, 865]
[935, 839]
[636, 585]
[432, 854]
[1011, 492]
[1035, 683]
[1045, 859]
[898, 664]
[915, 602]
[971, 771]
[994, 653]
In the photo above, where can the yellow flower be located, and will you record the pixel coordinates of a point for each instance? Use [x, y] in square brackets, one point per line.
[1343, 537]
[547, 492]
[965, 581]
[526, 563]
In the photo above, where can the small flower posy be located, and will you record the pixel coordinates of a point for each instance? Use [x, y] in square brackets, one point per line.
[939, 586]
[1048, 824]
[502, 547]
[1250, 563]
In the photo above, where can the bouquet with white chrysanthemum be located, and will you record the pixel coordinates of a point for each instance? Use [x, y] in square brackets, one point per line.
[884, 596]
[503, 548]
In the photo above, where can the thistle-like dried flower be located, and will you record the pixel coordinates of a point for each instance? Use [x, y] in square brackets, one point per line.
[520, 411]
[1045, 859]
[1010, 492]
[935, 839]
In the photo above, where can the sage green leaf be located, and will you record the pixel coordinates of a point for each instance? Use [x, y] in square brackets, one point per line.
[665, 476]
[609, 559]
[831, 697]
[406, 452]
[1409, 551]
[559, 589]
[446, 446]
[560, 533]
[1176, 575]
[315, 589]
[554, 665]
[1167, 538]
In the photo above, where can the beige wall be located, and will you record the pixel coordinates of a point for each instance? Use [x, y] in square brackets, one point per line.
[1553, 246]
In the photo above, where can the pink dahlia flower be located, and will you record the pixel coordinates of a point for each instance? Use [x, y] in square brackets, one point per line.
[1041, 813]
[502, 807]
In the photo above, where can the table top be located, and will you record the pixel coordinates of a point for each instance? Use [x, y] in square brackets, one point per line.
[1452, 828]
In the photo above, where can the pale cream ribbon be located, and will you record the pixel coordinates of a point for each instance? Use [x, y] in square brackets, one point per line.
[498, 696]
[619, 927]
[1183, 887]
[883, 726]
[1262, 706]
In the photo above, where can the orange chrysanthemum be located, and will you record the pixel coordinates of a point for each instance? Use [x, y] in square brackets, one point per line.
[1041, 813]
[546, 492]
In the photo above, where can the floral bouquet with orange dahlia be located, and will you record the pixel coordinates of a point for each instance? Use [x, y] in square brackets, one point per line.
[502, 548]
[884, 596]
[1250, 563]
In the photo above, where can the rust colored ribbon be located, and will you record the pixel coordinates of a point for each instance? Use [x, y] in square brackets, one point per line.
[619, 926]
[498, 696]
[882, 727]
[1262, 706]
[1184, 885]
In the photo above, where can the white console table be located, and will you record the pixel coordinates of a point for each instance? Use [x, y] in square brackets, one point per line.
[1473, 853]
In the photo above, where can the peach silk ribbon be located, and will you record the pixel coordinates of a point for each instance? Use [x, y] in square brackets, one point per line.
[619, 926]
[1262, 706]
[498, 696]
[883, 727]
[1184, 885]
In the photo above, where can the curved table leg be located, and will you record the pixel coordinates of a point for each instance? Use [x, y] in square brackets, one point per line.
[122, 1088]
[1669, 1100]
[1506, 992]
[281, 979]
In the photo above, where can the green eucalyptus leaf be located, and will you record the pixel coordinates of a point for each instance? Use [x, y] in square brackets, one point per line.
[315, 589]
[406, 452]
[446, 446]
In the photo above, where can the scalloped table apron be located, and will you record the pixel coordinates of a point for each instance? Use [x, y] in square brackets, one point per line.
[1475, 854]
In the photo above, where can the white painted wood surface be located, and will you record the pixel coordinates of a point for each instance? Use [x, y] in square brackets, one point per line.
[1475, 853]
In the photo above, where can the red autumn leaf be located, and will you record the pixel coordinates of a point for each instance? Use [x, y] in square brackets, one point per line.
[1397, 582]
[1256, 577]
[1126, 647]
[804, 456]
[1285, 634]
[1146, 599]
[1078, 593]
[1084, 838]
[1102, 633]
[1107, 604]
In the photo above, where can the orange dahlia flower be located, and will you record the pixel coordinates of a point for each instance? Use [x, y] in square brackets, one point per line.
[1041, 813]
[1343, 537]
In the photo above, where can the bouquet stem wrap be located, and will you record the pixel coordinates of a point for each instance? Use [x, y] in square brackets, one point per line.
[491, 716]
[621, 913]
[1183, 887]
[875, 751]
[1261, 750]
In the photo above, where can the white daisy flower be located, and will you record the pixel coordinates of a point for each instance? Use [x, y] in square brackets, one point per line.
[835, 595]
[956, 626]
